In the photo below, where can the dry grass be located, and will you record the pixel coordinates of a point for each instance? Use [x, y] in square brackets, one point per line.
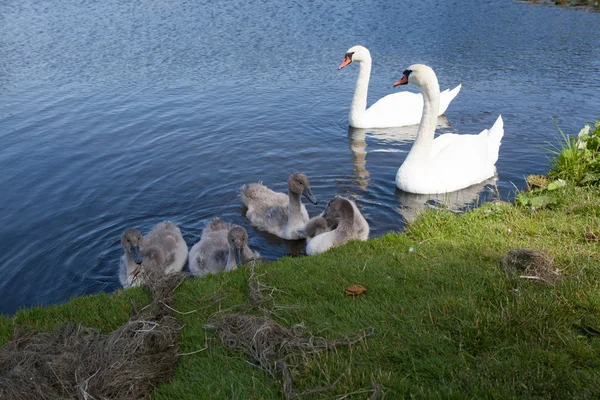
[77, 362]
[275, 349]
[530, 264]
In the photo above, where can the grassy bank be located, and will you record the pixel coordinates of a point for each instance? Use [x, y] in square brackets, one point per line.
[448, 321]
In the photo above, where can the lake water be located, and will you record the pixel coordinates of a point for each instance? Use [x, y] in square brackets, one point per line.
[120, 114]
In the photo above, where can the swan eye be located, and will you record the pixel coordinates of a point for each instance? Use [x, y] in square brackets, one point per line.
[349, 55]
[407, 72]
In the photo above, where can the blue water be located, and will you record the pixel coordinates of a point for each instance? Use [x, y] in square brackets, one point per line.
[120, 114]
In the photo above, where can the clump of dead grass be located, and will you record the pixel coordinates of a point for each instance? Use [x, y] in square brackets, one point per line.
[274, 348]
[77, 362]
[530, 264]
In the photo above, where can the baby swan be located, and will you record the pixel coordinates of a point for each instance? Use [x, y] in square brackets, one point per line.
[221, 246]
[316, 226]
[162, 249]
[346, 222]
[277, 213]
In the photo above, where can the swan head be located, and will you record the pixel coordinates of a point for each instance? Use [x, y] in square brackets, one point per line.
[153, 257]
[315, 226]
[419, 75]
[298, 184]
[338, 209]
[355, 54]
[131, 240]
[237, 237]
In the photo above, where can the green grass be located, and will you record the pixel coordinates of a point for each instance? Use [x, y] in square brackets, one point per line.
[448, 321]
[577, 159]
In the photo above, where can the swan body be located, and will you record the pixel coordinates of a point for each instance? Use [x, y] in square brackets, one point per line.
[396, 109]
[162, 249]
[344, 222]
[449, 162]
[222, 246]
[277, 213]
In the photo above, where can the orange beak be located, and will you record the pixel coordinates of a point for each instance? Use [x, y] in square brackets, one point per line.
[402, 81]
[346, 61]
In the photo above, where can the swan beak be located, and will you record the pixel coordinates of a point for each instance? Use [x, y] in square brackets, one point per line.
[347, 60]
[135, 253]
[308, 194]
[402, 81]
[238, 256]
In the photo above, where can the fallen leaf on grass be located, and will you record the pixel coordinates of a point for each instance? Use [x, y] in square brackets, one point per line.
[355, 290]
[591, 236]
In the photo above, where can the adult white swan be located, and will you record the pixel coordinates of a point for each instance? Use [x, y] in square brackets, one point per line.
[396, 109]
[450, 162]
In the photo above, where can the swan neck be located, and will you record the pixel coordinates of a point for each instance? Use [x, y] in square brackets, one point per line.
[130, 260]
[421, 148]
[231, 263]
[359, 101]
[294, 208]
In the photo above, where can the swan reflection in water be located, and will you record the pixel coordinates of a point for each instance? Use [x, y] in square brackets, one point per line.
[358, 144]
[411, 204]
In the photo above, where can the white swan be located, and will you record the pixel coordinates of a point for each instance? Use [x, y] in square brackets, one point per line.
[396, 109]
[277, 213]
[450, 162]
[344, 222]
[221, 246]
[163, 249]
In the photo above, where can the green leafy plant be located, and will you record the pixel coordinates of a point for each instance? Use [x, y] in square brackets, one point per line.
[577, 159]
[541, 197]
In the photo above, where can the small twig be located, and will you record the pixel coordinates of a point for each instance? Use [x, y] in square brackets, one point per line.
[192, 352]
[535, 278]
[178, 312]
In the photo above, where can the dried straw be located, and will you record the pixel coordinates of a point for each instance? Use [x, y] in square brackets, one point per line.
[530, 264]
[272, 347]
[77, 362]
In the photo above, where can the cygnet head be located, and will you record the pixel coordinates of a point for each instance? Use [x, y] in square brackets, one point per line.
[237, 237]
[339, 209]
[315, 226]
[153, 257]
[298, 184]
[131, 240]
[355, 54]
[419, 75]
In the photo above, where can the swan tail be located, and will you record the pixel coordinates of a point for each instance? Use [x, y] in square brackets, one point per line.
[494, 134]
[447, 96]
[251, 192]
[218, 224]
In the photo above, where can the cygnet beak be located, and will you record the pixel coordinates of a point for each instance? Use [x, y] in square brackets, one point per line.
[135, 253]
[308, 194]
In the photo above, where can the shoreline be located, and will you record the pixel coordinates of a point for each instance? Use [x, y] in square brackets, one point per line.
[585, 5]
